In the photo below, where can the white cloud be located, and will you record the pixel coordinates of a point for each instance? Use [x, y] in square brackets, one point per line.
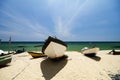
[23, 27]
[64, 14]
[32, 21]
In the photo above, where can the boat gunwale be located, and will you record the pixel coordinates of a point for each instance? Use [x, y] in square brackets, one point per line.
[89, 51]
[51, 39]
[34, 53]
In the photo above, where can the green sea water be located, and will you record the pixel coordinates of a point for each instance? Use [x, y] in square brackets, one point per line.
[72, 46]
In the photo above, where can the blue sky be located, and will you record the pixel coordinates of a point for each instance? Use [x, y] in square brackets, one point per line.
[69, 20]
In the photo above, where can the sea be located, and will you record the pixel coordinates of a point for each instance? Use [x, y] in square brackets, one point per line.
[72, 46]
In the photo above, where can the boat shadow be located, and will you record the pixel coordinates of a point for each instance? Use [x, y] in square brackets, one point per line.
[3, 66]
[97, 58]
[50, 68]
[116, 53]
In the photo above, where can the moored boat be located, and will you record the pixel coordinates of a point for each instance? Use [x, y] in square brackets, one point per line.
[54, 48]
[36, 54]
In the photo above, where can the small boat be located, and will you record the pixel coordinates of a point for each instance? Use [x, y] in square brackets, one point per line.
[4, 52]
[5, 59]
[90, 51]
[36, 54]
[1, 52]
[54, 48]
[20, 49]
[115, 52]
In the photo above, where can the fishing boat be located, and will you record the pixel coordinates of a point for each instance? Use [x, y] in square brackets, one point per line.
[5, 59]
[36, 54]
[54, 48]
[1, 52]
[115, 52]
[90, 51]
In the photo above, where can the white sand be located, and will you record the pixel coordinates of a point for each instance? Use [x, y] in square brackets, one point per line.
[75, 67]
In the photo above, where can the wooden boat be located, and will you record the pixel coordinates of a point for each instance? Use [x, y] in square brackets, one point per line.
[36, 54]
[1, 52]
[20, 49]
[54, 48]
[90, 51]
[5, 59]
[115, 52]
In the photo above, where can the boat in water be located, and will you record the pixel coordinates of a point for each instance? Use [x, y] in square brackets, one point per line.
[37, 54]
[54, 48]
[90, 51]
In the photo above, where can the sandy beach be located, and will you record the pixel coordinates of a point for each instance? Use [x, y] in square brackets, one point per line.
[75, 67]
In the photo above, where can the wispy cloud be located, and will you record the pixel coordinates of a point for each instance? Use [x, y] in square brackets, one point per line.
[22, 26]
[65, 19]
[64, 14]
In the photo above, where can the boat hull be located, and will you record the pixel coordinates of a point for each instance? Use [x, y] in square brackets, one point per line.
[90, 51]
[36, 55]
[5, 59]
[54, 48]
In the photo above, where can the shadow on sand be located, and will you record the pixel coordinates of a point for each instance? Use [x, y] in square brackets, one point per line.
[97, 58]
[3, 66]
[116, 53]
[50, 68]
[37, 58]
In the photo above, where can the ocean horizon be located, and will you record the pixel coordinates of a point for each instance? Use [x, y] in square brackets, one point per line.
[72, 45]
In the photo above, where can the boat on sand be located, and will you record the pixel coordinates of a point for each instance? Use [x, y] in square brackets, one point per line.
[37, 54]
[54, 48]
[5, 59]
[115, 52]
[90, 51]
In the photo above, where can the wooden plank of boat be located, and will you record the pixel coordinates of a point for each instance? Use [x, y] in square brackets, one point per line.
[54, 48]
[5, 56]
[5, 59]
[90, 51]
[36, 54]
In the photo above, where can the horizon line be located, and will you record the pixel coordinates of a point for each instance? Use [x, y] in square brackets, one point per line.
[62, 40]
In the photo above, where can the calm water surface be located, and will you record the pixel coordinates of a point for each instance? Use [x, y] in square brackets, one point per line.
[72, 46]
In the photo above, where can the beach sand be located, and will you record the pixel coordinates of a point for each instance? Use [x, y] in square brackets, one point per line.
[75, 67]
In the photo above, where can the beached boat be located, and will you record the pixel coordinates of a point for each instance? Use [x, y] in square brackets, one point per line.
[1, 52]
[20, 49]
[54, 48]
[115, 52]
[4, 52]
[90, 51]
[36, 54]
[5, 59]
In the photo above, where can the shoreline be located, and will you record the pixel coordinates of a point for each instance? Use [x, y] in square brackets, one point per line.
[76, 66]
